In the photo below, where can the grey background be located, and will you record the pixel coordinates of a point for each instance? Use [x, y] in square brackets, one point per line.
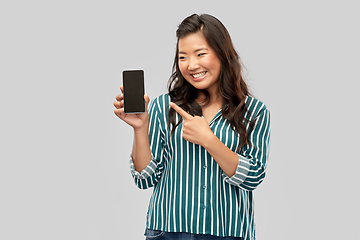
[64, 170]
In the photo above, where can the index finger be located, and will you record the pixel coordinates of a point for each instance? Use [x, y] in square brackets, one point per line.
[179, 110]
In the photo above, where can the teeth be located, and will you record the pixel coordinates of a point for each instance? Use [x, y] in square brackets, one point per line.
[199, 75]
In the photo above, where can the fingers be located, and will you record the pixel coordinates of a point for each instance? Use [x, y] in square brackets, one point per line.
[119, 104]
[181, 111]
[120, 113]
[120, 97]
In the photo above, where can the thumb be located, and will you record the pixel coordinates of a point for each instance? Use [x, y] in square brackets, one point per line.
[147, 100]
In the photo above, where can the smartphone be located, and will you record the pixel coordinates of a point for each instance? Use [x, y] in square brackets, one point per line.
[133, 83]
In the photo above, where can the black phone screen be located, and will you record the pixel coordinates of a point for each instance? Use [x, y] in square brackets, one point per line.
[133, 83]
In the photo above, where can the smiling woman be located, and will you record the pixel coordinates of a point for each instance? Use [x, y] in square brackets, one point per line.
[203, 41]
[199, 63]
[204, 145]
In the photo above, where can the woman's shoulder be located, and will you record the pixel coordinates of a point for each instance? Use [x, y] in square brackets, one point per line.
[254, 106]
[161, 102]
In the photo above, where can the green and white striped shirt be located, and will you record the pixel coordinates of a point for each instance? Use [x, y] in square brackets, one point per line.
[191, 192]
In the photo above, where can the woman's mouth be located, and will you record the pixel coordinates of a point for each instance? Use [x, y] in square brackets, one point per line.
[199, 76]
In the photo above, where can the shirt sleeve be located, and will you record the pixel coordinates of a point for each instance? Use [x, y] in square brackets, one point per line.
[149, 176]
[253, 158]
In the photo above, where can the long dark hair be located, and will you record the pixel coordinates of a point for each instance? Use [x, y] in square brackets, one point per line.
[232, 86]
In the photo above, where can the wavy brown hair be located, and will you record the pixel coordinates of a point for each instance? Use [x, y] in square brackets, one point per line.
[232, 86]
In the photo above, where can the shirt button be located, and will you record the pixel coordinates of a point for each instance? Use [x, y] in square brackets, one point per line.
[204, 166]
[204, 206]
[204, 186]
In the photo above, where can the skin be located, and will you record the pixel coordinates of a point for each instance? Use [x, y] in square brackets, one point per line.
[195, 56]
[141, 153]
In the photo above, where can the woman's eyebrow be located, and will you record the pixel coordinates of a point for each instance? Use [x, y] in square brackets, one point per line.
[197, 50]
[200, 49]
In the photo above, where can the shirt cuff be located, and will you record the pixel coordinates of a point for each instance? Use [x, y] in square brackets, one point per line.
[241, 172]
[146, 172]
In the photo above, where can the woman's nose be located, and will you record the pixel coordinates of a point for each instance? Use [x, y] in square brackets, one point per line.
[193, 64]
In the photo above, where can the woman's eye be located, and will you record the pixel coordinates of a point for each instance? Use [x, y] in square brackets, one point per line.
[201, 54]
[181, 57]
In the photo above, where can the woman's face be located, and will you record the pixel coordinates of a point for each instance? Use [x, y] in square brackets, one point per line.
[199, 63]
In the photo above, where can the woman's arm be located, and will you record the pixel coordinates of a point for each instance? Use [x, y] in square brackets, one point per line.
[225, 158]
[197, 130]
[141, 153]
[245, 169]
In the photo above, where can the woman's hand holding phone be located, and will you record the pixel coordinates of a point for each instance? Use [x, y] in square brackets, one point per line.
[138, 121]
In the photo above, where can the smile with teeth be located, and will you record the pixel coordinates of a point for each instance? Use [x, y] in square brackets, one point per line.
[198, 75]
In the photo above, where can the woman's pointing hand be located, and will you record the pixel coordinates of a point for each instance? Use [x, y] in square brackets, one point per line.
[195, 129]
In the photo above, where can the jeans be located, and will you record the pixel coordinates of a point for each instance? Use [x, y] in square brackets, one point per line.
[160, 235]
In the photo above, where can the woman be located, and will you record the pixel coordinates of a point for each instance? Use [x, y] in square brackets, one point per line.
[204, 145]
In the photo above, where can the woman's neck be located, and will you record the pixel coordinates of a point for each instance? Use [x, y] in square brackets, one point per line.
[214, 98]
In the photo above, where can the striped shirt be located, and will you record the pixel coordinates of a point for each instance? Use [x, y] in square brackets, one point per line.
[191, 192]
